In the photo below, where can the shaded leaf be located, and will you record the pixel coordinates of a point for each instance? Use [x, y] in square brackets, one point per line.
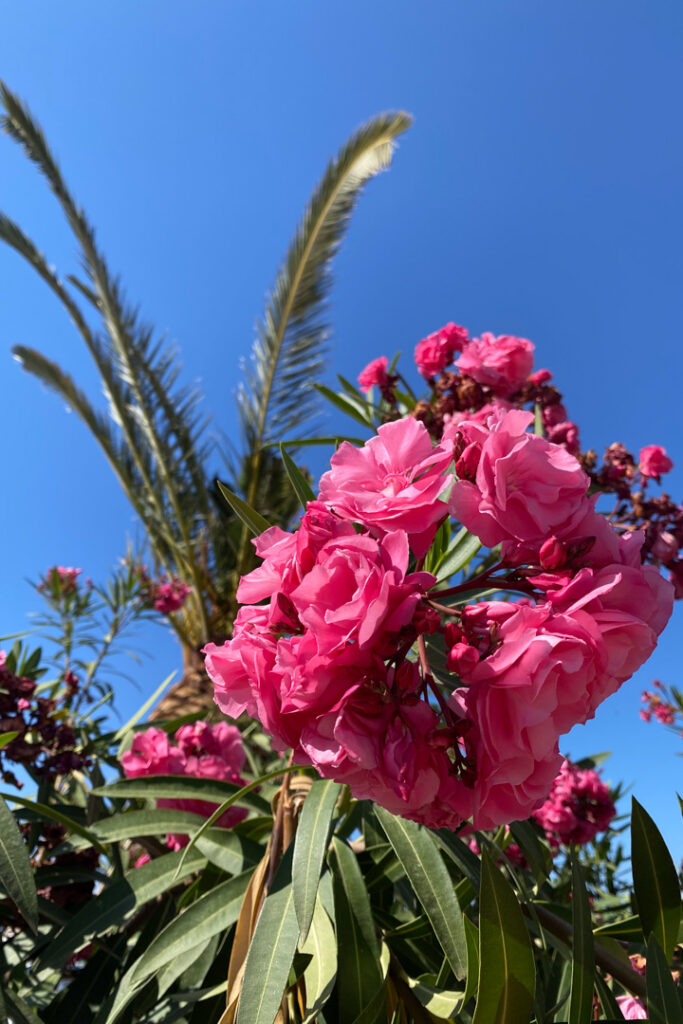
[655, 880]
[507, 974]
[432, 885]
[253, 520]
[117, 902]
[583, 961]
[663, 1004]
[16, 873]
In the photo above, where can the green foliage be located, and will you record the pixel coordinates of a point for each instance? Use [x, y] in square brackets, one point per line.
[656, 881]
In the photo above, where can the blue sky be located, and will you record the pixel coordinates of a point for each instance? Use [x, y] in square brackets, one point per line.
[538, 193]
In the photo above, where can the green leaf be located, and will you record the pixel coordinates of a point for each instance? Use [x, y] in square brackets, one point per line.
[45, 812]
[583, 957]
[210, 915]
[150, 822]
[16, 874]
[117, 902]
[507, 974]
[608, 1001]
[7, 737]
[141, 712]
[236, 798]
[271, 951]
[300, 484]
[359, 973]
[663, 1003]
[461, 551]
[356, 410]
[22, 1013]
[461, 855]
[312, 837]
[184, 787]
[629, 929]
[310, 442]
[655, 880]
[253, 520]
[432, 885]
[321, 972]
[534, 849]
[229, 850]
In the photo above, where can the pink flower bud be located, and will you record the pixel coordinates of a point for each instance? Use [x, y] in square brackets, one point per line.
[540, 377]
[462, 658]
[453, 634]
[466, 466]
[654, 461]
[426, 620]
[552, 554]
[665, 547]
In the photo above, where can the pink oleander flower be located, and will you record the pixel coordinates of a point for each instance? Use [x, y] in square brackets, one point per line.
[665, 547]
[536, 684]
[68, 577]
[358, 592]
[394, 482]
[201, 750]
[653, 461]
[502, 363]
[497, 408]
[632, 1008]
[170, 596]
[374, 373]
[578, 807]
[524, 488]
[435, 352]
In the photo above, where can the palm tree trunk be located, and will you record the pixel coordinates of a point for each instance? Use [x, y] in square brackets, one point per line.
[192, 693]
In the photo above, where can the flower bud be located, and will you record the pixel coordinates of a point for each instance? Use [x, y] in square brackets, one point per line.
[466, 466]
[462, 658]
[552, 554]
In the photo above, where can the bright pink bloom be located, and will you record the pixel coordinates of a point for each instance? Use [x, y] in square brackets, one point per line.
[201, 750]
[632, 1008]
[525, 488]
[578, 807]
[170, 597]
[653, 461]
[374, 373]
[68, 577]
[665, 547]
[392, 483]
[358, 592]
[435, 352]
[503, 363]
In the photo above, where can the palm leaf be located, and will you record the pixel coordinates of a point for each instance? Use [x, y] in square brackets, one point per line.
[287, 356]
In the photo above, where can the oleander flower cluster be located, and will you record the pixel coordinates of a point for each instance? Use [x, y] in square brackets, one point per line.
[435, 705]
[578, 807]
[200, 750]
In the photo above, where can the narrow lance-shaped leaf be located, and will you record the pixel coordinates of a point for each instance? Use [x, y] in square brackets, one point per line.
[271, 951]
[210, 915]
[300, 484]
[583, 962]
[16, 874]
[663, 1003]
[431, 883]
[115, 903]
[359, 972]
[312, 837]
[253, 520]
[655, 880]
[507, 974]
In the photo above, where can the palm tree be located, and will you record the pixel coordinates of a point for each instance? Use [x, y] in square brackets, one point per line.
[154, 432]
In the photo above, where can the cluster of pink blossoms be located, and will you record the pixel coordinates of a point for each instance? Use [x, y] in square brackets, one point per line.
[166, 596]
[63, 578]
[322, 650]
[578, 807]
[200, 750]
[664, 706]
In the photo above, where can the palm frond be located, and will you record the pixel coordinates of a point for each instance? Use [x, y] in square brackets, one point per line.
[139, 374]
[288, 352]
